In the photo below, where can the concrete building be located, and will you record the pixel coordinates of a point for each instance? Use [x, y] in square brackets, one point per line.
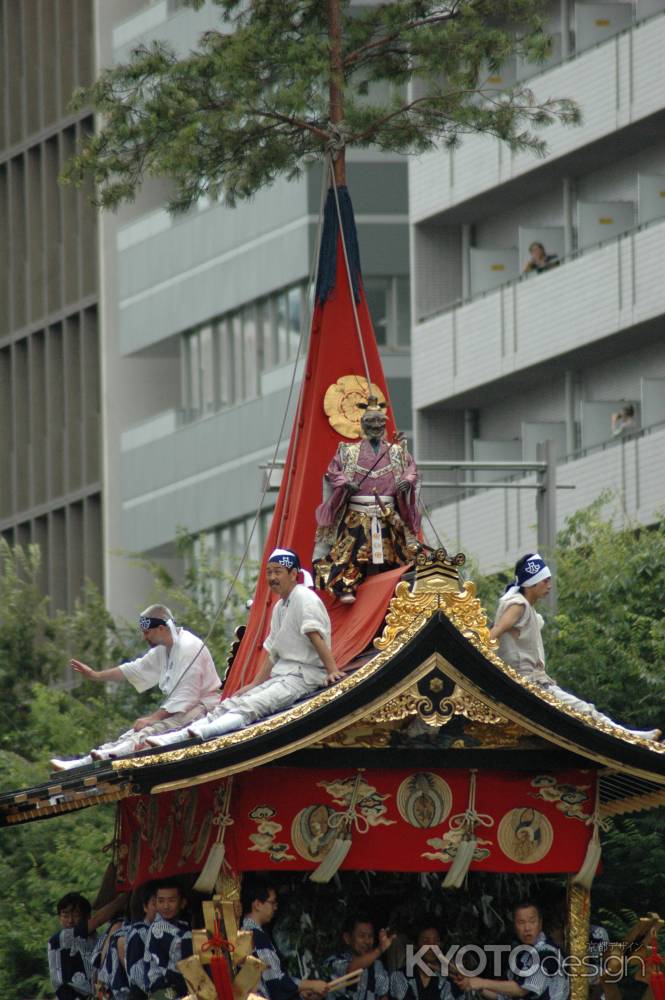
[50, 469]
[503, 360]
[200, 318]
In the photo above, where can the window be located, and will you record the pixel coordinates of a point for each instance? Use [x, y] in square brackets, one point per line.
[390, 308]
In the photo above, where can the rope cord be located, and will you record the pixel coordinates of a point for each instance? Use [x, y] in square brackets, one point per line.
[348, 274]
[305, 322]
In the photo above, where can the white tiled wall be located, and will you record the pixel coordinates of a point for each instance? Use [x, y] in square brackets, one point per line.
[615, 84]
[597, 294]
[497, 526]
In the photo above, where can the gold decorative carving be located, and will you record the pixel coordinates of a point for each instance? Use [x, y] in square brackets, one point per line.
[579, 906]
[413, 703]
[502, 734]
[341, 400]
[361, 735]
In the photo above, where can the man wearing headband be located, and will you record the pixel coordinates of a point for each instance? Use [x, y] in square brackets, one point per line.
[518, 627]
[178, 663]
[369, 516]
[299, 661]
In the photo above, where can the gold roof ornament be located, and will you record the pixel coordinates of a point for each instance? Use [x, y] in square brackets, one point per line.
[345, 401]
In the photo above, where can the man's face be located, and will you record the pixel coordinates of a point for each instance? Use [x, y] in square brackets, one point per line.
[430, 936]
[69, 917]
[155, 636]
[373, 423]
[168, 903]
[280, 579]
[528, 924]
[542, 588]
[265, 910]
[361, 939]
[150, 909]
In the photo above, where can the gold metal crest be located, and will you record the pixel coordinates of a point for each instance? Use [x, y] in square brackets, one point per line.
[340, 403]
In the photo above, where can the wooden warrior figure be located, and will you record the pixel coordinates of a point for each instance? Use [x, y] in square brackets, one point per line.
[369, 516]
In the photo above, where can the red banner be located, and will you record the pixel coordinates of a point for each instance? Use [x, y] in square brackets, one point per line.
[401, 820]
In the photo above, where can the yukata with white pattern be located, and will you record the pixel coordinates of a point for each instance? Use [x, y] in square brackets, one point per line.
[70, 953]
[403, 987]
[275, 984]
[547, 981]
[373, 984]
[167, 943]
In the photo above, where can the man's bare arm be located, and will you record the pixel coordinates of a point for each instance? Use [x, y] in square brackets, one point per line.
[110, 674]
[147, 720]
[507, 621]
[327, 658]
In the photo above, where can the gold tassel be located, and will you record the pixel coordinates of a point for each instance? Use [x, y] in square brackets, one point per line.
[587, 872]
[205, 883]
[341, 845]
[466, 848]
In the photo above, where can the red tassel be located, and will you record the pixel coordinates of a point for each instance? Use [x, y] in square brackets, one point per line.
[219, 967]
[656, 976]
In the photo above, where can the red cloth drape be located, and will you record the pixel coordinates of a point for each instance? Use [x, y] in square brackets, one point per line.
[405, 821]
[334, 351]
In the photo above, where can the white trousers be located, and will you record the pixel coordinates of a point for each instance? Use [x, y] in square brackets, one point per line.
[178, 720]
[273, 695]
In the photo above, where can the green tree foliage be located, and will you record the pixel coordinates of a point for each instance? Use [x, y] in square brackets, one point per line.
[281, 81]
[606, 643]
[46, 711]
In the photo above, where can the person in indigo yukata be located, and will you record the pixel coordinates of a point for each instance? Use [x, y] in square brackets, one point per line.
[299, 659]
[259, 905]
[132, 949]
[168, 941]
[424, 978]
[361, 952]
[543, 979]
[70, 950]
[110, 975]
[178, 663]
[369, 516]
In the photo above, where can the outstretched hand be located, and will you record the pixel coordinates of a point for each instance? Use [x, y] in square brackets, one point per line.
[83, 668]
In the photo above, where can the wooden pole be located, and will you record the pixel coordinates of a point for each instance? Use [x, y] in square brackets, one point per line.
[336, 87]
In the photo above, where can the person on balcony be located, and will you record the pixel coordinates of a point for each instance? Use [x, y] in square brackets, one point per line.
[369, 516]
[178, 663]
[540, 260]
[518, 628]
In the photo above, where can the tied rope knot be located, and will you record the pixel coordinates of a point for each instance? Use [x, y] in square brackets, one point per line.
[470, 818]
[344, 821]
[218, 943]
[337, 138]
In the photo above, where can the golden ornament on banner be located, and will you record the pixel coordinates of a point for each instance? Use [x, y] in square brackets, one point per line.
[525, 835]
[424, 800]
[311, 832]
[340, 403]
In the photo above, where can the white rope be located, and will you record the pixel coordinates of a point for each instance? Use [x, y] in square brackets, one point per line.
[349, 278]
[305, 323]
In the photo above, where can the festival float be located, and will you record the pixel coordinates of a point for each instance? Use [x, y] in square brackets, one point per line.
[430, 756]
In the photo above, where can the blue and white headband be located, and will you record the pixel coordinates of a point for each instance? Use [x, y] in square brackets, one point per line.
[146, 622]
[530, 573]
[289, 559]
[284, 557]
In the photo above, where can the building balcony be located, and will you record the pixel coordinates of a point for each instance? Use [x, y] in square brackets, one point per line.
[529, 322]
[619, 86]
[496, 526]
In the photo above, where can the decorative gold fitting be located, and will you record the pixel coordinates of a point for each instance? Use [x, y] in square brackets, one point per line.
[437, 572]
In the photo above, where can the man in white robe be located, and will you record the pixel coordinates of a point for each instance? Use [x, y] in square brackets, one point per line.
[300, 658]
[178, 663]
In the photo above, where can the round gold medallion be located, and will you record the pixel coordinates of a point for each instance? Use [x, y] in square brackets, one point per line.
[424, 799]
[340, 403]
[311, 833]
[525, 835]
